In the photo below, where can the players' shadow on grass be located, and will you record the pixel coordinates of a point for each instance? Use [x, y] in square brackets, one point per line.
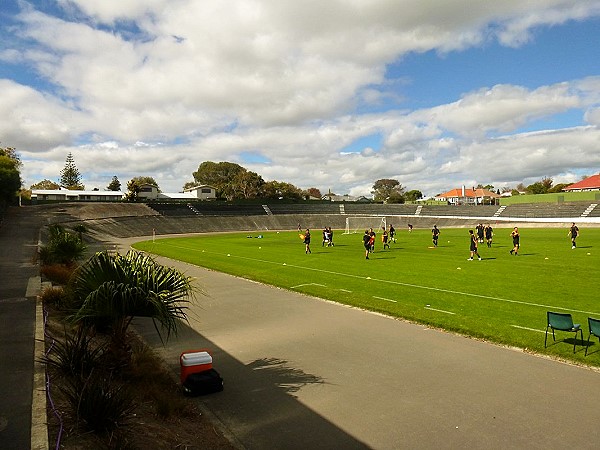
[380, 256]
[279, 372]
[584, 246]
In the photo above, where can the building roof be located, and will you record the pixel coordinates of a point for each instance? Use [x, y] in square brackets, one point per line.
[200, 186]
[177, 196]
[592, 182]
[75, 193]
[472, 193]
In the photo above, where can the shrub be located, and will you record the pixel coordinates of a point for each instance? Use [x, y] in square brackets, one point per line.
[148, 370]
[63, 247]
[58, 273]
[53, 295]
[102, 404]
[75, 355]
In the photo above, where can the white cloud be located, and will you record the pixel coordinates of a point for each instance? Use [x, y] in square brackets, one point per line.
[155, 87]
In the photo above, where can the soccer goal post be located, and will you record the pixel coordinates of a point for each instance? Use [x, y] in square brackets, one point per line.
[358, 224]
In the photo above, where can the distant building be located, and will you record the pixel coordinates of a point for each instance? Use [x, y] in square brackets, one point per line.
[588, 184]
[63, 194]
[147, 192]
[203, 192]
[346, 198]
[465, 196]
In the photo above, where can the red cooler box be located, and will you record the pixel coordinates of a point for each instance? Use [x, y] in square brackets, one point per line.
[194, 361]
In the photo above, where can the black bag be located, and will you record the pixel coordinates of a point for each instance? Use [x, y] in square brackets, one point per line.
[202, 383]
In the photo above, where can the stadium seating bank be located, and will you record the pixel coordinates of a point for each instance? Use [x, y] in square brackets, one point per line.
[124, 220]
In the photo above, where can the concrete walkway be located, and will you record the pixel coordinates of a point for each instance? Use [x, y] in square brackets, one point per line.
[18, 271]
[303, 373]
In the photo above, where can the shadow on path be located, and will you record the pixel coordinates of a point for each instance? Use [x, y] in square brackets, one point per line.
[257, 404]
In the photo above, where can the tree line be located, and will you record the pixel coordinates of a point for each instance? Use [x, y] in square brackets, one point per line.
[231, 181]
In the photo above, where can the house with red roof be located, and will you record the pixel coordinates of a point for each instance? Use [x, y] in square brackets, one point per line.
[588, 184]
[466, 196]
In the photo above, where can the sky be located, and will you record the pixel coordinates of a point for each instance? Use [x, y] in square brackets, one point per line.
[332, 94]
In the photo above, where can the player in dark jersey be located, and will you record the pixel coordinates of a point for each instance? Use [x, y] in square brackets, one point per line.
[489, 234]
[372, 241]
[473, 246]
[516, 237]
[307, 241]
[479, 230]
[435, 234]
[384, 238]
[573, 232]
[367, 243]
[392, 233]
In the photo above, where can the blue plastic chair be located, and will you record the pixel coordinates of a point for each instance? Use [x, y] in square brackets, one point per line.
[562, 322]
[594, 325]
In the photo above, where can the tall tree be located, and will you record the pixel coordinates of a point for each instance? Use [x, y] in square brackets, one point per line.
[70, 176]
[385, 187]
[413, 195]
[10, 176]
[46, 184]
[540, 187]
[558, 188]
[281, 190]
[219, 175]
[134, 187]
[114, 185]
[247, 184]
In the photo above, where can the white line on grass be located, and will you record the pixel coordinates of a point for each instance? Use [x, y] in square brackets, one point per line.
[399, 283]
[385, 299]
[528, 329]
[307, 284]
[439, 310]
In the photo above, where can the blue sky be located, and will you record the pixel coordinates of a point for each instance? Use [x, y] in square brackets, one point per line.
[334, 97]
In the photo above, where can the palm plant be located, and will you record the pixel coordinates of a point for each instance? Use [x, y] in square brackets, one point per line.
[62, 248]
[110, 290]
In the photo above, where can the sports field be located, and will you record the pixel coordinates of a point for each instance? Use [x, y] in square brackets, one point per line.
[502, 298]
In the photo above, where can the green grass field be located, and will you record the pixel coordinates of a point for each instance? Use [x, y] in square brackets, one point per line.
[502, 298]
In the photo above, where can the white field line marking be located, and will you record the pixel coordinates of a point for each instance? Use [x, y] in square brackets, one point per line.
[415, 286]
[385, 299]
[345, 290]
[307, 284]
[528, 329]
[439, 310]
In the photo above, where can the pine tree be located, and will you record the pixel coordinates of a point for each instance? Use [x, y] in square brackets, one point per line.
[70, 177]
[114, 185]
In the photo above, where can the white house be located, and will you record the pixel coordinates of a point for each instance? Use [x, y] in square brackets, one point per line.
[203, 192]
[147, 192]
[63, 194]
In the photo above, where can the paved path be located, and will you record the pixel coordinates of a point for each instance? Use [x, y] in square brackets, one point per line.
[18, 243]
[305, 373]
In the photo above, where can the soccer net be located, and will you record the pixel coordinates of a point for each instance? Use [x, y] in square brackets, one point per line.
[360, 224]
